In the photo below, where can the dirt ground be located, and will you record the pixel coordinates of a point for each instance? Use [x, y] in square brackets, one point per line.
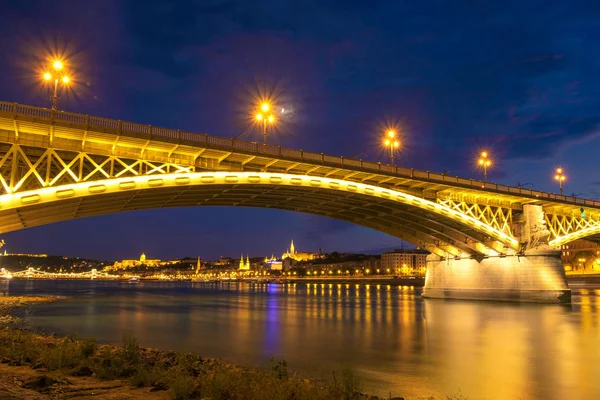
[24, 383]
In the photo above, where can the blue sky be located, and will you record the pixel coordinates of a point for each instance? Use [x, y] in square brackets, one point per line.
[519, 78]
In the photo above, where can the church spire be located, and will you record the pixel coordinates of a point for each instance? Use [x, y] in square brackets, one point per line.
[292, 249]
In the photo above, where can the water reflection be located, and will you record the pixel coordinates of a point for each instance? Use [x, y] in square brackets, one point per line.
[392, 337]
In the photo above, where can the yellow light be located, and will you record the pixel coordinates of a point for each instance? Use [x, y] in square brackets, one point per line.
[65, 79]
[58, 65]
[13, 200]
[47, 76]
[484, 154]
[391, 134]
[387, 142]
[480, 162]
[259, 117]
[271, 118]
[559, 170]
[396, 144]
[265, 107]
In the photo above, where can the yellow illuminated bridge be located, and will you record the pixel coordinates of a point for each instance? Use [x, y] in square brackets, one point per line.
[57, 166]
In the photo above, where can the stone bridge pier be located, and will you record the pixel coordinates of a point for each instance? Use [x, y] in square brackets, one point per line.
[532, 274]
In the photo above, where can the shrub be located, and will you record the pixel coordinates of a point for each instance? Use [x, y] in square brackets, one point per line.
[182, 386]
[130, 350]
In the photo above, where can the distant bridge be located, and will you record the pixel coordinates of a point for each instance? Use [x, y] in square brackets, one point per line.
[57, 166]
[37, 274]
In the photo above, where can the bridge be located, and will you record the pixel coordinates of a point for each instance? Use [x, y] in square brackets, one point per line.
[57, 166]
[32, 273]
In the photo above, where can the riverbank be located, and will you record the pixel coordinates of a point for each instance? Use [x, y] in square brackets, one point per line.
[36, 366]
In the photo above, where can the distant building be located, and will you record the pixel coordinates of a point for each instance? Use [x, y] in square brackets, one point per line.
[274, 265]
[244, 265]
[405, 262]
[124, 264]
[298, 256]
[580, 255]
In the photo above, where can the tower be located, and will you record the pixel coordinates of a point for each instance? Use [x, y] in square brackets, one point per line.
[247, 261]
[143, 258]
[292, 249]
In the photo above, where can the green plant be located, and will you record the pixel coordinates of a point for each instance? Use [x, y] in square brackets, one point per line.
[279, 368]
[88, 347]
[349, 386]
[182, 386]
[130, 350]
[147, 376]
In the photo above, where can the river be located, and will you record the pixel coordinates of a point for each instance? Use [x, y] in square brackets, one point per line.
[395, 340]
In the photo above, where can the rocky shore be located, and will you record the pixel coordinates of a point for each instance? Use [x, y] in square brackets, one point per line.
[35, 366]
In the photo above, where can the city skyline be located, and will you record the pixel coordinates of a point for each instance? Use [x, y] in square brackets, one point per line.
[535, 115]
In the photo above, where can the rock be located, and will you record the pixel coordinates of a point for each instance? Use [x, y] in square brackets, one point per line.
[83, 371]
[39, 383]
[158, 386]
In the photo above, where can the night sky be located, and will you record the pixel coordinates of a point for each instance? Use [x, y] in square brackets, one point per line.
[519, 78]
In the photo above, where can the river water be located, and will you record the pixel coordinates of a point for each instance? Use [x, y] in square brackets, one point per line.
[395, 340]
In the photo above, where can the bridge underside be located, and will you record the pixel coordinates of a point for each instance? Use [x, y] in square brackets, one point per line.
[423, 228]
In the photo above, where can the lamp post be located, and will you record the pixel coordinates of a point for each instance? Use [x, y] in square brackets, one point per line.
[560, 177]
[392, 142]
[264, 117]
[57, 74]
[485, 162]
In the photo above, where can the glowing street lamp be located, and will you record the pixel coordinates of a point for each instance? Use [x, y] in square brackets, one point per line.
[560, 177]
[485, 162]
[57, 75]
[264, 117]
[391, 142]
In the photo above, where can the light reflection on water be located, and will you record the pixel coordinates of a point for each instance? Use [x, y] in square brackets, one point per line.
[393, 338]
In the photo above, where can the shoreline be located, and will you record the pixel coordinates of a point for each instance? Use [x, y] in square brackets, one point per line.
[40, 366]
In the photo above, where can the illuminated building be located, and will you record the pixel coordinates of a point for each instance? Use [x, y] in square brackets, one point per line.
[580, 255]
[244, 265]
[273, 258]
[123, 264]
[275, 265]
[297, 256]
[405, 262]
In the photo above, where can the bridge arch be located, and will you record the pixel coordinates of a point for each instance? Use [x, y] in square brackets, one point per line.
[433, 226]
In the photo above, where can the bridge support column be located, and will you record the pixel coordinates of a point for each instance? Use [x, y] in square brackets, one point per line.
[536, 274]
[537, 277]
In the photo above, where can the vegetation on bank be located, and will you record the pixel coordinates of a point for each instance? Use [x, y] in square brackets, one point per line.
[184, 375]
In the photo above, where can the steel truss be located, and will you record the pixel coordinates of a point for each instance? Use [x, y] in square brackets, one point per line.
[497, 217]
[24, 169]
[564, 229]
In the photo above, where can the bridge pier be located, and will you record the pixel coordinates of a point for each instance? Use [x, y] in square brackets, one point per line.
[536, 276]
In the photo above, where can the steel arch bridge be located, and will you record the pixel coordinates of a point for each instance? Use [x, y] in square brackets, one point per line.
[57, 166]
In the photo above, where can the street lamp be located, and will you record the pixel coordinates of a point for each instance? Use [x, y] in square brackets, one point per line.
[57, 75]
[390, 140]
[485, 162]
[560, 177]
[264, 117]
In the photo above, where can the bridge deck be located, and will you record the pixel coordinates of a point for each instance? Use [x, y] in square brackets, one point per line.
[40, 128]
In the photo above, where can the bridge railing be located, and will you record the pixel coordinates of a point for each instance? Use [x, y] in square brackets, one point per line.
[171, 135]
